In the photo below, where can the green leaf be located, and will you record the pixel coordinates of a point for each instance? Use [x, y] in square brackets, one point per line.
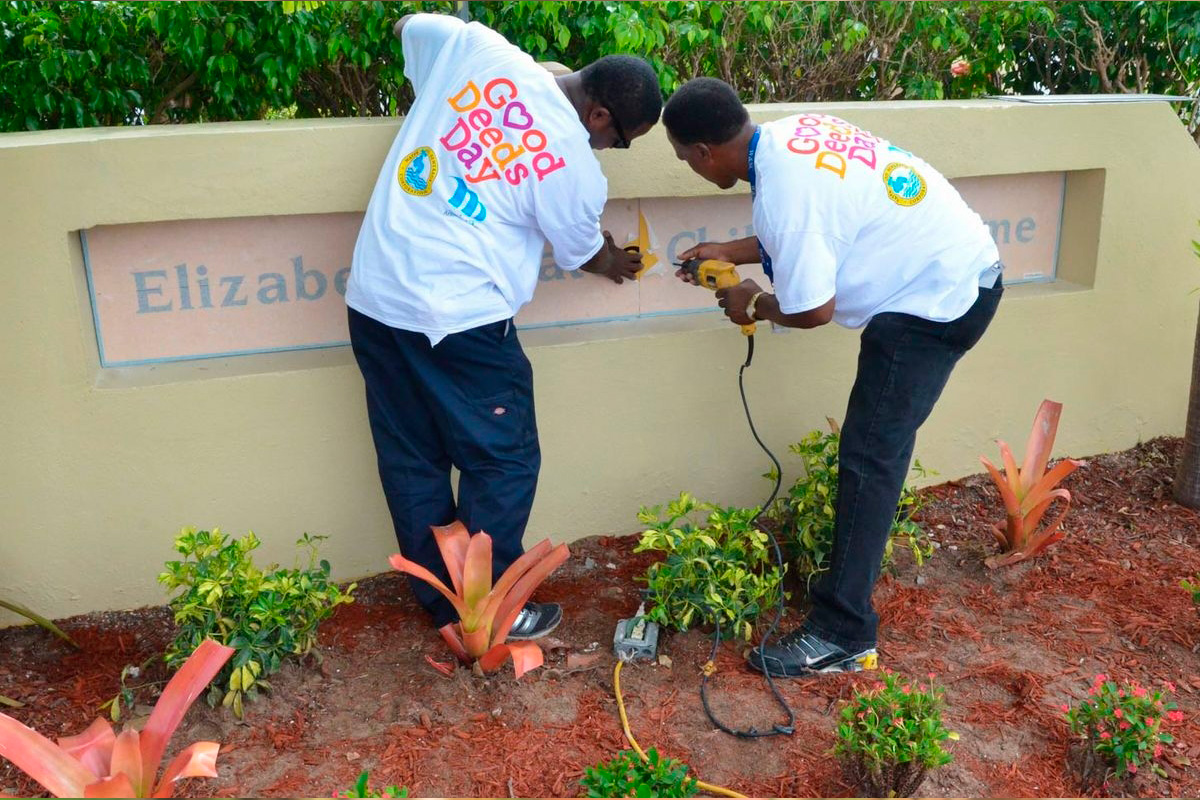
[50, 69]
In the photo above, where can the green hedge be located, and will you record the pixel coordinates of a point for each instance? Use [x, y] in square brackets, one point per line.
[113, 63]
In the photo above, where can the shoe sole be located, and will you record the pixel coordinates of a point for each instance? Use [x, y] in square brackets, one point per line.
[859, 663]
[528, 637]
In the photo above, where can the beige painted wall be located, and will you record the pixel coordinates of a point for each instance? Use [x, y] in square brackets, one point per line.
[101, 467]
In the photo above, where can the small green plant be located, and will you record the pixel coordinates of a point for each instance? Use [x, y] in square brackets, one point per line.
[1193, 586]
[127, 696]
[1120, 728]
[807, 513]
[719, 570]
[265, 616]
[361, 789]
[891, 735]
[627, 775]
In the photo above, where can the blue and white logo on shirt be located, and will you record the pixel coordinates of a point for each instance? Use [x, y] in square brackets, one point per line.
[467, 203]
[417, 172]
[905, 186]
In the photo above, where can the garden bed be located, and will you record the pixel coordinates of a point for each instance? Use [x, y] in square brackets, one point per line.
[1009, 647]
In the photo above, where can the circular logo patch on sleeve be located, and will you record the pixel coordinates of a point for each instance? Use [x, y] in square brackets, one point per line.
[905, 186]
[417, 171]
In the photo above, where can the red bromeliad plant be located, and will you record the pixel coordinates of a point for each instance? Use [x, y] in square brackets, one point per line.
[486, 612]
[1028, 492]
[100, 763]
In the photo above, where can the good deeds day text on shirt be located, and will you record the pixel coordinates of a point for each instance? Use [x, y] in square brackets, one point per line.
[843, 141]
[836, 143]
[486, 119]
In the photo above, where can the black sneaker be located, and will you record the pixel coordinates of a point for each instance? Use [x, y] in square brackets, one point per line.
[535, 621]
[799, 654]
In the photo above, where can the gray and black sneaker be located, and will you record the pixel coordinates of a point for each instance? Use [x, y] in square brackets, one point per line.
[535, 621]
[800, 654]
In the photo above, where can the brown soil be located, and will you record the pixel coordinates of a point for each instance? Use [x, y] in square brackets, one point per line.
[1009, 646]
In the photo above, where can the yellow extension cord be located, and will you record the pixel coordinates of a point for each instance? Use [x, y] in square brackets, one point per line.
[708, 787]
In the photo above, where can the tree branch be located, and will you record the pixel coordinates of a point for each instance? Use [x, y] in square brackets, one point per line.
[159, 114]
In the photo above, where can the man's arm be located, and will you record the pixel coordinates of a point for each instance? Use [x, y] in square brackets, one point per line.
[805, 271]
[738, 251]
[767, 309]
[748, 302]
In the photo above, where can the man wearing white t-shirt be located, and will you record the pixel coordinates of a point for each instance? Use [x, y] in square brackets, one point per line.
[493, 159]
[853, 229]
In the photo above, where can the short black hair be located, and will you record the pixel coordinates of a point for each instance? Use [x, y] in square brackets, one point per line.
[627, 87]
[704, 110]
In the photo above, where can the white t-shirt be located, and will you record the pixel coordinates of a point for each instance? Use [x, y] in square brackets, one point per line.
[845, 214]
[491, 161]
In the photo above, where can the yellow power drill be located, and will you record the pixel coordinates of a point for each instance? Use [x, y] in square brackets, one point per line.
[713, 274]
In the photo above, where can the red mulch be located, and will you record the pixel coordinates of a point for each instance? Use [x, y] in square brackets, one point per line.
[1009, 646]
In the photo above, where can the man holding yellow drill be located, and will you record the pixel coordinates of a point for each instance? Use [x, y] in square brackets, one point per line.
[853, 229]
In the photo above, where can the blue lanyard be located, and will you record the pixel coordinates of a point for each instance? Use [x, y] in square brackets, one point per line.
[762, 254]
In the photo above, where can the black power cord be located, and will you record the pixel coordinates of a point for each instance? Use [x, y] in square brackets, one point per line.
[776, 730]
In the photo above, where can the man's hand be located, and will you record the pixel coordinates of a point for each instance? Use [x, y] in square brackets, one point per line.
[735, 299]
[625, 264]
[614, 263]
[705, 250]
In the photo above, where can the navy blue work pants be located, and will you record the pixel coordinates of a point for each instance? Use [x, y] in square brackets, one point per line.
[468, 402]
[903, 365]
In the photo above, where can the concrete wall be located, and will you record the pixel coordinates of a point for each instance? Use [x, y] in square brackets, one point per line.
[99, 468]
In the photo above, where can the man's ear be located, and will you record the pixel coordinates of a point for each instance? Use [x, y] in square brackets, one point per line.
[599, 114]
[596, 117]
[704, 151]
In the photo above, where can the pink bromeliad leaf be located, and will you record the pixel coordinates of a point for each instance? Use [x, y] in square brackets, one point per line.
[476, 580]
[454, 641]
[525, 656]
[127, 761]
[1042, 491]
[93, 747]
[402, 564]
[1041, 442]
[117, 785]
[1011, 473]
[1012, 505]
[452, 541]
[197, 760]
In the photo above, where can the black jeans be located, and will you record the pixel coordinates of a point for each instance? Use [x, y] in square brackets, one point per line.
[467, 402]
[903, 365]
